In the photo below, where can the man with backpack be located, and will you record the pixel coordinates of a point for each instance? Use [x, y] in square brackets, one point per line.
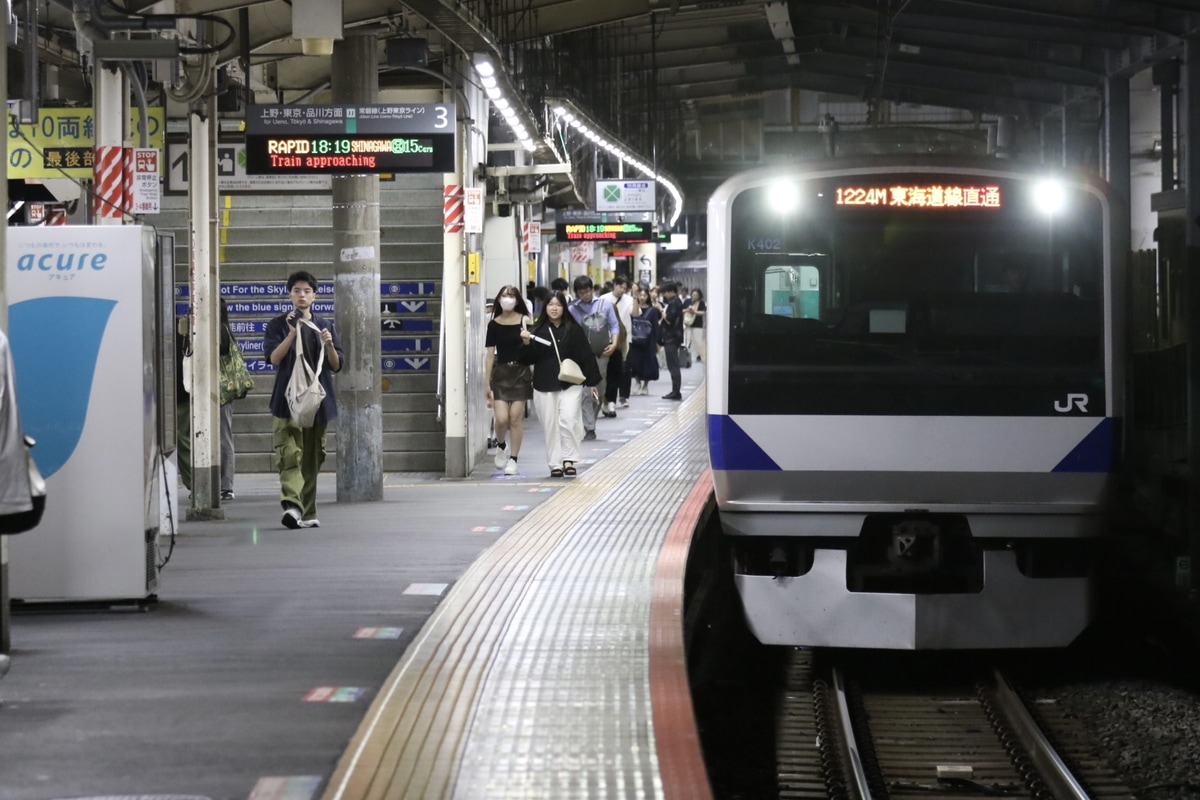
[603, 329]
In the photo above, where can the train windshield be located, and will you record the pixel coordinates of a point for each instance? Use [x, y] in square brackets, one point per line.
[916, 294]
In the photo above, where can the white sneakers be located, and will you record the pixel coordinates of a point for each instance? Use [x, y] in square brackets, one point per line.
[511, 467]
[501, 460]
[310, 523]
[291, 517]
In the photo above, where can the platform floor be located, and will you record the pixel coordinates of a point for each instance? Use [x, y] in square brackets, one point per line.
[268, 647]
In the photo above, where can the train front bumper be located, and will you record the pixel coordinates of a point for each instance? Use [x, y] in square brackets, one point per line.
[1012, 611]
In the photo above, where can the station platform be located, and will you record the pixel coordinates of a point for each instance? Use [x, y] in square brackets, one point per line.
[490, 637]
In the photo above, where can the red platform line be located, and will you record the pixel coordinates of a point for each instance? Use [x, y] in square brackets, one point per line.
[680, 757]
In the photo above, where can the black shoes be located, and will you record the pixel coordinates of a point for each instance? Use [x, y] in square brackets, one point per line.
[672, 396]
[589, 436]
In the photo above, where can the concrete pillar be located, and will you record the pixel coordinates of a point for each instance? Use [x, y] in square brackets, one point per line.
[205, 289]
[356, 292]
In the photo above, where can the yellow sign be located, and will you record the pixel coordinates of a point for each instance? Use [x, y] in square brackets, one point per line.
[472, 267]
[61, 143]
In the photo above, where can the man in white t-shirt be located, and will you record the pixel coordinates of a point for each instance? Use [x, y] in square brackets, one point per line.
[619, 380]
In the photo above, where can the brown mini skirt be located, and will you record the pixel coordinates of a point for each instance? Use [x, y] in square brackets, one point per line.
[512, 382]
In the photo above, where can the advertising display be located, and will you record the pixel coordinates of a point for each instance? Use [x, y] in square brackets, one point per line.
[81, 325]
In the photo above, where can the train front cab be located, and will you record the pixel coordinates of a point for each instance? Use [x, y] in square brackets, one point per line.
[911, 409]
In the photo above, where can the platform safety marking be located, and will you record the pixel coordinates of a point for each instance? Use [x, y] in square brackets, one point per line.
[432, 589]
[540, 489]
[485, 529]
[334, 694]
[514, 508]
[378, 633]
[286, 787]
[630, 432]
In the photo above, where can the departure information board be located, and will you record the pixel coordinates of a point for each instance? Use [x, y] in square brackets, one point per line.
[348, 140]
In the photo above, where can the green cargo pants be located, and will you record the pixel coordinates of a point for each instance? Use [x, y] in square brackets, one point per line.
[299, 454]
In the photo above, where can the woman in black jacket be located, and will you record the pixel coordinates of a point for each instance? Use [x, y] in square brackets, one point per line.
[559, 404]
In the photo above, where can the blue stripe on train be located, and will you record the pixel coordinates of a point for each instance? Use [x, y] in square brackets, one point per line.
[1094, 453]
[730, 448]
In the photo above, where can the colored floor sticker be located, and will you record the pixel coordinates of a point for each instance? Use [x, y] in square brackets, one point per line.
[514, 508]
[432, 589]
[334, 694]
[287, 787]
[378, 633]
[540, 489]
[476, 529]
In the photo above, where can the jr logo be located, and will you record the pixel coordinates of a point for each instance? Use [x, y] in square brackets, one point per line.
[1073, 401]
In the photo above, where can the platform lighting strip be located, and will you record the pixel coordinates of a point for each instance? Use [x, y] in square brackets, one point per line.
[491, 85]
[599, 137]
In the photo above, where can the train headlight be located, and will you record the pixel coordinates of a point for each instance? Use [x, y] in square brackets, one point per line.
[783, 196]
[1049, 197]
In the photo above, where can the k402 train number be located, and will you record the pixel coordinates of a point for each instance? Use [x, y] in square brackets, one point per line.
[760, 245]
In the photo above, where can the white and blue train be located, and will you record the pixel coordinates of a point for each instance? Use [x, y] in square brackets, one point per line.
[913, 400]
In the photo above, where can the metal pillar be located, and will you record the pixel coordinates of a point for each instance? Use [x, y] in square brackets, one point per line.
[1189, 173]
[205, 289]
[356, 292]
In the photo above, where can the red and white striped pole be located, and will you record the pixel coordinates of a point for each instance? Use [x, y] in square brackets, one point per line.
[453, 210]
[108, 186]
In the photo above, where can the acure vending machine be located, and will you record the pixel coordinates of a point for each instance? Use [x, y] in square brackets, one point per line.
[82, 306]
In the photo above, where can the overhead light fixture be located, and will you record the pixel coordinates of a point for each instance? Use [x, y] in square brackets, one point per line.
[495, 85]
[566, 112]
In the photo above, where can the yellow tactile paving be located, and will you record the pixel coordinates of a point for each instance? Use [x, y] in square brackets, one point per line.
[529, 681]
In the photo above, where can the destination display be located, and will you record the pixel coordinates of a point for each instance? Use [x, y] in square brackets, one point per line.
[604, 231]
[924, 196]
[327, 140]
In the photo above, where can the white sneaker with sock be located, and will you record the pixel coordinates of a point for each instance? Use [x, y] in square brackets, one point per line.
[511, 467]
[501, 460]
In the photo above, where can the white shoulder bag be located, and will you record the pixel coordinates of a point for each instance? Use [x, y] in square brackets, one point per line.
[304, 390]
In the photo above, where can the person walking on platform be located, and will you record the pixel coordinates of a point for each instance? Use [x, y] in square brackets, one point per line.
[300, 452]
[617, 380]
[228, 454]
[509, 382]
[555, 337]
[671, 333]
[603, 329]
[699, 310]
[643, 343]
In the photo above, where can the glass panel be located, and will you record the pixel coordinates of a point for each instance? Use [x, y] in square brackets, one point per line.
[915, 294]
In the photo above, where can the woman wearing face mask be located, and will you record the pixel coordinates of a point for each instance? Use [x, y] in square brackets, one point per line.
[509, 383]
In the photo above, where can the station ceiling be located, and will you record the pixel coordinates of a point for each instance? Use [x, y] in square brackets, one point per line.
[649, 71]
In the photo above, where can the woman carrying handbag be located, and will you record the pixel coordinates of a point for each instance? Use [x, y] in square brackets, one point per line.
[555, 340]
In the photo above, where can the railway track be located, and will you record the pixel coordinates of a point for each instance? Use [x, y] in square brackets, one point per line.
[852, 734]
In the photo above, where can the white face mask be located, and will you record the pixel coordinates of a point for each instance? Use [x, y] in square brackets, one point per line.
[508, 303]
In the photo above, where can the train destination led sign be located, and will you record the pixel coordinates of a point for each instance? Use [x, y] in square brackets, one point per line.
[919, 197]
[415, 137]
[605, 231]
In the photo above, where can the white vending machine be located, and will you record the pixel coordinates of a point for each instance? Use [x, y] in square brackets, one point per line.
[81, 306]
